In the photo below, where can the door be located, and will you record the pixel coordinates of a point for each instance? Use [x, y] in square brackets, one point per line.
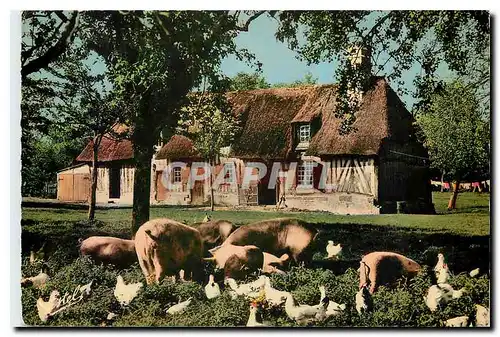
[114, 182]
[197, 193]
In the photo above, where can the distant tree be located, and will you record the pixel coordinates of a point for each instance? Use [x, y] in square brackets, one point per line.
[246, 81]
[90, 108]
[308, 79]
[456, 133]
[208, 120]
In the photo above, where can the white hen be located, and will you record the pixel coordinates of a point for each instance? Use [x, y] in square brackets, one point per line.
[179, 307]
[443, 275]
[212, 289]
[364, 300]
[333, 308]
[274, 297]
[253, 320]
[125, 293]
[46, 309]
[440, 264]
[457, 322]
[482, 316]
[474, 273]
[441, 294]
[250, 290]
[304, 314]
[38, 281]
[333, 251]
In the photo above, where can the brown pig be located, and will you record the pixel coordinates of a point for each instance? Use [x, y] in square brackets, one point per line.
[237, 261]
[165, 246]
[214, 233]
[109, 250]
[271, 263]
[278, 236]
[381, 268]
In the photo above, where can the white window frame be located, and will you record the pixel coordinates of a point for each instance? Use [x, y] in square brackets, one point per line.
[304, 133]
[176, 175]
[305, 175]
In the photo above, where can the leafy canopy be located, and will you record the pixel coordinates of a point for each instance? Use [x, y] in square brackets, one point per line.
[397, 40]
[455, 132]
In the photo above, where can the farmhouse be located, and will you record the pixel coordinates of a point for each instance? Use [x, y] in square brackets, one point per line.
[115, 176]
[290, 141]
[374, 169]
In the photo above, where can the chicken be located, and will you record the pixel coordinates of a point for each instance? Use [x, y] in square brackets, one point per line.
[333, 308]
[39, 255]
[440, 264]
[441, 294]
[482, 316]
[125, 293]
[38, 281]
[274, 297]
[46, 309]
[457, 322]
[333, 251]
[364, 301]
[56, 304]
[474, 273]
[250, 290]
[305, 314]
[443, 275]
[179, 307]
[212, 289]
[254, 320]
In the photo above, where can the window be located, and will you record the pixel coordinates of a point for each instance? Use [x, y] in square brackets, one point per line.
[305, 174]
[177, 175]
[304, 133]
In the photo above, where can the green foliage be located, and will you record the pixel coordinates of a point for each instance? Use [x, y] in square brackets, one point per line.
[308, 79]
[209, 122]
[400, 306]
[397, 39]
[455, 132]
[246, 81]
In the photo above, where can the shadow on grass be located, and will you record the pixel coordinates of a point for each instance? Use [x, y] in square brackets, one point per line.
[468, 209]
[463, 253]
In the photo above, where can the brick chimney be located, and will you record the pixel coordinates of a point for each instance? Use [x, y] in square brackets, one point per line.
[360, 58]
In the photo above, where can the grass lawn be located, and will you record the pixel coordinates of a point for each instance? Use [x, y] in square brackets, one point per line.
[471, 218]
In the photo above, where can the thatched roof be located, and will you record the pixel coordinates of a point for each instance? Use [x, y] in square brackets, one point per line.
[112, 147]
[268, 116]
[178, 147]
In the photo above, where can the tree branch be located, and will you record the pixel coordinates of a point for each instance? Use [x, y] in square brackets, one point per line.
[55, 51]
[244, 28]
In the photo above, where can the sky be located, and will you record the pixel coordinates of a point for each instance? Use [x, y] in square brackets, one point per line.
[280, 64]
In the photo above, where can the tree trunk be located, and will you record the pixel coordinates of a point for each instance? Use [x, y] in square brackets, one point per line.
[93, 186]
[442, 182]
[142, 185]
[453, 200]
[212, 206]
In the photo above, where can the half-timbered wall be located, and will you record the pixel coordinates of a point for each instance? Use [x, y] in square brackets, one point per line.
[351, 186]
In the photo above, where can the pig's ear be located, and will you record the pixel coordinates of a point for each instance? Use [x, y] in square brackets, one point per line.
[213, 250]
[284, 257]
